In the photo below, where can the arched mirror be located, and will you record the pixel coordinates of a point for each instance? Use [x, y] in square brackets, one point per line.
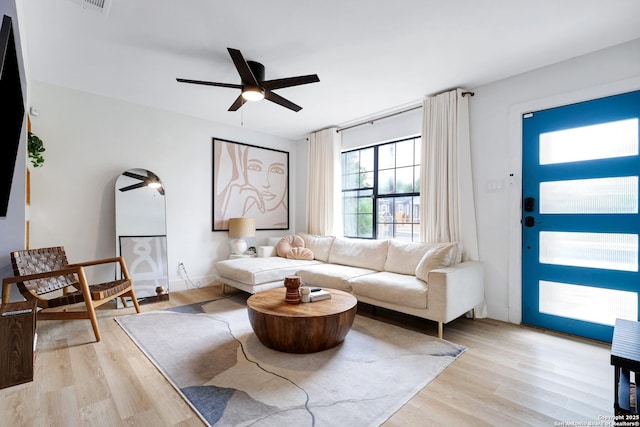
[141, 232]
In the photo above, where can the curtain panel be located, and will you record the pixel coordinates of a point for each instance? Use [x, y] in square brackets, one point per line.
[447, 211]
[324, 189]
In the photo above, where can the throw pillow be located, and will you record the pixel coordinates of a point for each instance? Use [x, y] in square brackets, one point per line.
[300, 253]
[440, 256]
[287, 243]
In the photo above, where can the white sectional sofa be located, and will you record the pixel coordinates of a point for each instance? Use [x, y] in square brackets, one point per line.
[427, 280]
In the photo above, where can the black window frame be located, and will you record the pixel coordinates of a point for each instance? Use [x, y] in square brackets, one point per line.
[372, 192]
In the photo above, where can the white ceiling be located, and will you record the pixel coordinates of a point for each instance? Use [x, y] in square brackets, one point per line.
[371, 57]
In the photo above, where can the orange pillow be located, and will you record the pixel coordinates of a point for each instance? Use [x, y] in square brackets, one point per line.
[300, 253]
[287, 243]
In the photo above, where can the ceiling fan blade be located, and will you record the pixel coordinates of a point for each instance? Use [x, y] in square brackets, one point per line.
[134, 175]
[290, 81]
[239, 102]
[243, 68]
[200, 82]
[274, 97]
[134, 186]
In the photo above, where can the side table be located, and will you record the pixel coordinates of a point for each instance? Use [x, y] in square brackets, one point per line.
[625, 358]
[17, 339]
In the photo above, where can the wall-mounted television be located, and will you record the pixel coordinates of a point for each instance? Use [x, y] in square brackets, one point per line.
[11, 111]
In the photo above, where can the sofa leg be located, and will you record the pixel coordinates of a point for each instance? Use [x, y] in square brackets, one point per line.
[473, 313]
[440, 330]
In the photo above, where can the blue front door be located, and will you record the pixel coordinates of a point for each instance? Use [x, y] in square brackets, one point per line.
[580, 221]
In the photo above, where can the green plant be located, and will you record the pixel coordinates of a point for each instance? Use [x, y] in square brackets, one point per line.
[35, 148]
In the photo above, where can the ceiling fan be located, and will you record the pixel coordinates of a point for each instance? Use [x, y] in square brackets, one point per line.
[254, 87]
[151, 181]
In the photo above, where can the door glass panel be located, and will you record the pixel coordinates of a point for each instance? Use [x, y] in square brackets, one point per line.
[591, 304]
[601, 141]
[590, 196]
[611, 251]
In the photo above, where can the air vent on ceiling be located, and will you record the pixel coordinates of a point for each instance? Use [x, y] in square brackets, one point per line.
[100, 6]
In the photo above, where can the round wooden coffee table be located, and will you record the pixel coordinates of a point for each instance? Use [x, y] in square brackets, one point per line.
[301, 328]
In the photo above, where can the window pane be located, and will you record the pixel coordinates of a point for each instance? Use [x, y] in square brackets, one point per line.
[365, 225]
[591, 304]
[404, 153]
[610, 251]
[416, 210]
[385, 231]
[386, 181]
[366, 180]
[404, 180]
[385, 209]
[417, 147]
[387, 156]
[350, 204]
[416, 179]
[351, 181]
[350, 162]
[365, 205]
[366, 159]
[602, 141]
[351, 225]
[598, 196]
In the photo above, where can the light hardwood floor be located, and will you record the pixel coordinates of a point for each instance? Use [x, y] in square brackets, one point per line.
[508, 376]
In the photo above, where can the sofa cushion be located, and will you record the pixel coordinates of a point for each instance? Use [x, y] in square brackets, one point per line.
[439, 256]
[404, 257]
[333, 276]
[319, 245]
[401, 289]
[287, 243]
[255, 271]
[363, 253]
[300, 253]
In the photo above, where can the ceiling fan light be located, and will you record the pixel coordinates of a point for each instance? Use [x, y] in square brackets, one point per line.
[253, 93]
[154, 184]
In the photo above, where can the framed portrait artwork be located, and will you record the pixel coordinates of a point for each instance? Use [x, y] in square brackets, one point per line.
[250, 181]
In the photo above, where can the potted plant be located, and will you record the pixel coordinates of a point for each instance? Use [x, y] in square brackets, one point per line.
[35, 149]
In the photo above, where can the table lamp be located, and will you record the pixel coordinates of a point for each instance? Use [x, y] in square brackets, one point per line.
[239, 228]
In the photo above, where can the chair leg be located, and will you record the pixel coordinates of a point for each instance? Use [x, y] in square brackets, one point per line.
[440, 330]
[91, 311]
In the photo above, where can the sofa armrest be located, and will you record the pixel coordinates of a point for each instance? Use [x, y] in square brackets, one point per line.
[452, 291]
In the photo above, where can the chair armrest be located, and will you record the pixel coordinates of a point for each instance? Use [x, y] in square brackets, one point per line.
[97, 262]
[118, 259]
[7, 281]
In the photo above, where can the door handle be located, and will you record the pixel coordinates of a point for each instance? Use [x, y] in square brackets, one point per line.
[529, 221]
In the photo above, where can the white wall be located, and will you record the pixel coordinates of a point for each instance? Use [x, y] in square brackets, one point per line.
[12, 227]
[90, 140]
[496, 136]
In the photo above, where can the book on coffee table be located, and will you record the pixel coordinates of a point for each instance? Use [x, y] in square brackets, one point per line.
[319, 295]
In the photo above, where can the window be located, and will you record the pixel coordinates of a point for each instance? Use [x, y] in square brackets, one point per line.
[381, 191]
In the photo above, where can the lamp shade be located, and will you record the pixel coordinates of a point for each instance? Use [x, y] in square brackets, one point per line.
[242, 227]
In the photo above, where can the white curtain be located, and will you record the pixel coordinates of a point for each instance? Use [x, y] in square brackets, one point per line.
[447, 211]
[324, 191]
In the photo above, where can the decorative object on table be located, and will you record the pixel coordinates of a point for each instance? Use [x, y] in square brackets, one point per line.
[319, 295]
[239, 228]
[366, 379]
[292, 283]
[304, 293]
[35, 149]
[250, 181]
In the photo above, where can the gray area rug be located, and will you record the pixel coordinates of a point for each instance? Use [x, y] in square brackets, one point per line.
[210, 355]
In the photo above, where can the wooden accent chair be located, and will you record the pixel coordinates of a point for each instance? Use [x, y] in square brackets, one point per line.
[39, 273]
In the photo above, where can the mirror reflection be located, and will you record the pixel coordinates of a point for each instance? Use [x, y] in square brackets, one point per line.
[141, 232]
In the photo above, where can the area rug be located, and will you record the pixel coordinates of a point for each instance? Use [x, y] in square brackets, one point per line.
[210, 355]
